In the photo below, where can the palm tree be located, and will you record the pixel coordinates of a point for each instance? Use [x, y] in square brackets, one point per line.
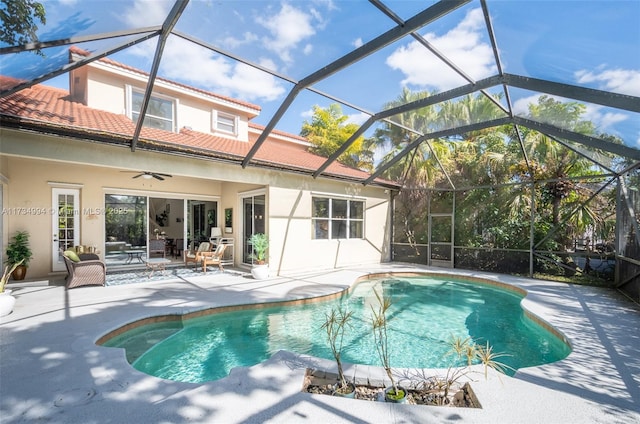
[558, 165]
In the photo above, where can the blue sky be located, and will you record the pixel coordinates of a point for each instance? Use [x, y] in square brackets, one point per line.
[594, 44]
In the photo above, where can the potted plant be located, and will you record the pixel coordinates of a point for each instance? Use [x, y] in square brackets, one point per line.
[19, 252]
[395, 393]
[260, 244]
[334, 325]
[6, 299]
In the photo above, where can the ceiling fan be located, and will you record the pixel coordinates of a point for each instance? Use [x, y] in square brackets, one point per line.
[148, 175]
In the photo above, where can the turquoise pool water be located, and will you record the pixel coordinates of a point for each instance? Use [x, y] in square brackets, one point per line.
[425, 315]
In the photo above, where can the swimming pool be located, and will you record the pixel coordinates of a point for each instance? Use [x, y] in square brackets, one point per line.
[426, 314]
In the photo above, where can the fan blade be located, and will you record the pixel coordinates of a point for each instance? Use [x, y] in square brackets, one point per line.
[148, 174]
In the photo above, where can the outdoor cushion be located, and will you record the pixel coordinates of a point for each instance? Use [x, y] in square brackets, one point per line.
[88, 256]
[72, 255]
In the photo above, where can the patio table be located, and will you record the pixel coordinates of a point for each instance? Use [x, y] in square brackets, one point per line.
[156, 264]
[134, 254]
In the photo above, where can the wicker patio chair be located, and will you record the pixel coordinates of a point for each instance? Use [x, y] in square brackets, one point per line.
[84, 270]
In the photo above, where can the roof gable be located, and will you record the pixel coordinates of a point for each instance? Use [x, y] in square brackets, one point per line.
[76, 53]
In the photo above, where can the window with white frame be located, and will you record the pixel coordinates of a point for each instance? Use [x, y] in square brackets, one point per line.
[225, 122]
[337, 218]
[160, 111]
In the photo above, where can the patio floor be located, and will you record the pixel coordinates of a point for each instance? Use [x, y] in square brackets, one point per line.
[52, 371]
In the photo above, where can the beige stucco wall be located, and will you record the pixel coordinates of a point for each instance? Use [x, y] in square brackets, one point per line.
[108, 91]
[33, 164]
[292, 248]
[29, 200]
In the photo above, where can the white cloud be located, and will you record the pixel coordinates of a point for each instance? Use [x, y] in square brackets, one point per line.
[193, 65]
[462, 45]
[144, 13]
[307, 114]
[308, 49]
[288, 28]
[603, 120]
[624, 81]
[521, 106]
[247, 38]
[328, 4]
[357, 42]
[358, 118]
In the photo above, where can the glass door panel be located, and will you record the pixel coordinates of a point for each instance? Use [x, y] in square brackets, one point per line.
[202, 216]
[125, 229]
[254, 221]
[65, 223]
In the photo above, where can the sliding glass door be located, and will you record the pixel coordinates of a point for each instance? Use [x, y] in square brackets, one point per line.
[134, 222]
[125, 226]
[202, 216]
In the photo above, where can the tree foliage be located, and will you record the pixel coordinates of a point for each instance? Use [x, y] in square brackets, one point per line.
[19, 21]
[510, 176]
[329, 130]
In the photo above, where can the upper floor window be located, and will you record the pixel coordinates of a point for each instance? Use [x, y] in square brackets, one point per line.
[337, 218]
[225, 123]
[160, 112]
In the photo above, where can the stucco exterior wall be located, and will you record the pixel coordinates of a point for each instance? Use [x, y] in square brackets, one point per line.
[108, 91]
[292, 248]
[33, 164]
[28, 200]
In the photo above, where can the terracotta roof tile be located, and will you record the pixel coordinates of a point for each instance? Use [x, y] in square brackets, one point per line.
[277, 132]
[46, 107]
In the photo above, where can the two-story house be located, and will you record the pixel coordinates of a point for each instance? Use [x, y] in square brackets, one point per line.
[71, 175]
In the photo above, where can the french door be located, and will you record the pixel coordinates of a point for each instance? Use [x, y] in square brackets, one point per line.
[253, 222]
[65, 223]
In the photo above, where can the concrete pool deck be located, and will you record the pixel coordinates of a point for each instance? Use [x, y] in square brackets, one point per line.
[52, 371]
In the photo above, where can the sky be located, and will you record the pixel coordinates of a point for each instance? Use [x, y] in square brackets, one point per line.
[594, 44]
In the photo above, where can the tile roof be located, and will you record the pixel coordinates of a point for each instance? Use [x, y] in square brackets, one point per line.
[48, 109]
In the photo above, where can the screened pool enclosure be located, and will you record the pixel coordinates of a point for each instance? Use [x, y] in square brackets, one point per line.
[508, 130]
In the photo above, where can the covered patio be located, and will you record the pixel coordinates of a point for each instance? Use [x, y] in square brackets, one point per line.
[50, 337]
